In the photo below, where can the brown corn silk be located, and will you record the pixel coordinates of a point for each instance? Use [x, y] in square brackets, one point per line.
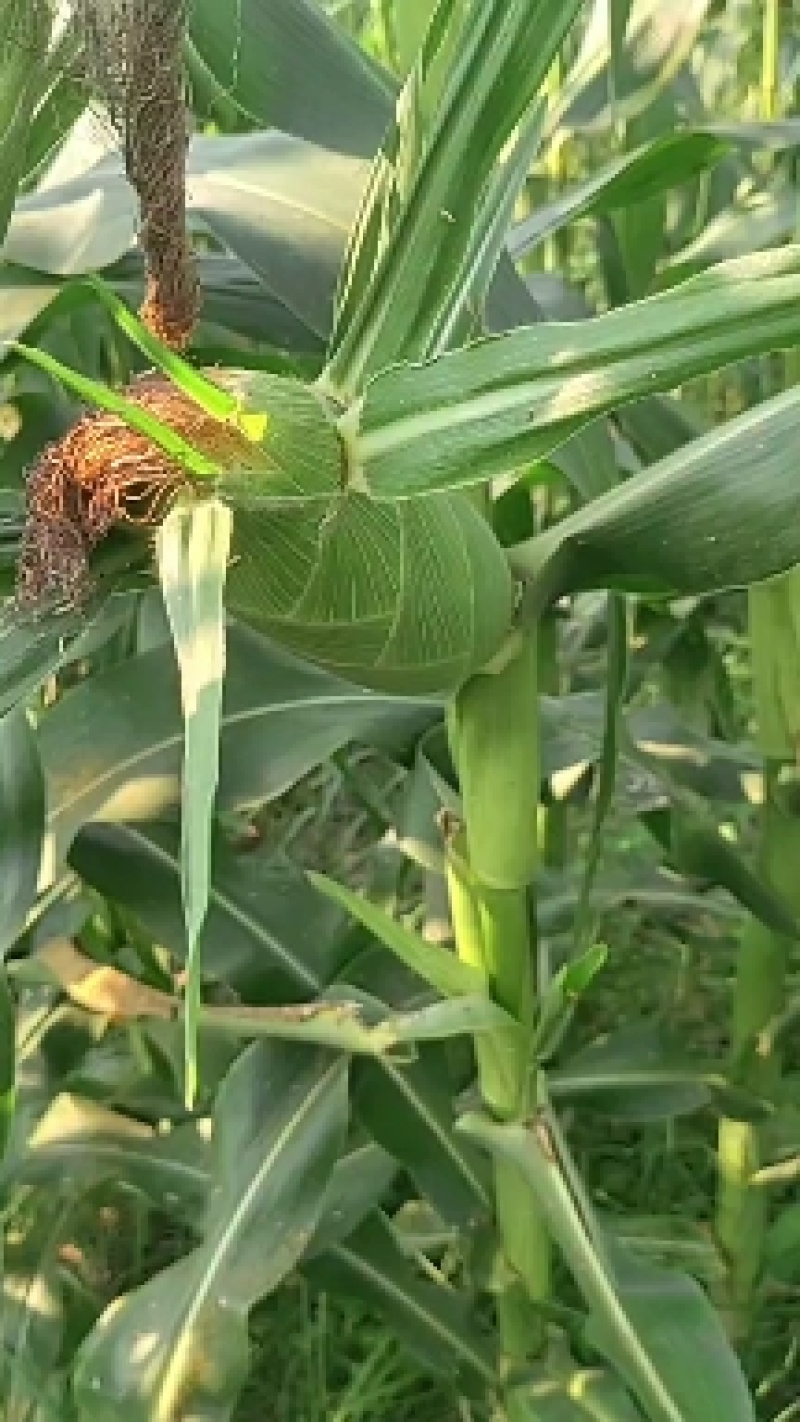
[101, 473]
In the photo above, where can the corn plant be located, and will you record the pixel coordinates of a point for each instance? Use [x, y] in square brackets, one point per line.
[373, 488]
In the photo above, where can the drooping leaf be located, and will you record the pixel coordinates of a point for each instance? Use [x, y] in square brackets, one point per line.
[354, 1022]
[737, 519]
[192, 547]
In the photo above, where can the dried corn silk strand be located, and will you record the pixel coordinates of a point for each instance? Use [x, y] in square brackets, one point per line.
[134, 58]
[101, 474]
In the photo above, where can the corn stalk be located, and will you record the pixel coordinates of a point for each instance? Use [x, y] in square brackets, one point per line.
[774, 618]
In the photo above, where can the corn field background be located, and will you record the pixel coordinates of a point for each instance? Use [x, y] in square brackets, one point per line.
[400, 710]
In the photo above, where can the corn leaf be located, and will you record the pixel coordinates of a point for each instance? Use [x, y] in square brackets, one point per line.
[732, 493]
[479, 70]
[655, 1326]
[278, 1130]
[503, 402]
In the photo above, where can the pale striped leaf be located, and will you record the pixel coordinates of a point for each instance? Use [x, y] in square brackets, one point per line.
[192, 553]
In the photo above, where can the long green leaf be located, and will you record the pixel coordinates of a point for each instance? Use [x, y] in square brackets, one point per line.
[84, 1142]
[501, 403]
[24, 41]
[8, 1061]
[32, 649]
[178, 1346]
[657, 1328]
[192, 547]
[32, 1336]
[437, 966]
[733, 494]
[651, 169]
[634, 1073]
[359, 1182]
[284, 64]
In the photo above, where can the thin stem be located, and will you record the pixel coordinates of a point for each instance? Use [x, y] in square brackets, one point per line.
[759, 992]
[770, 60]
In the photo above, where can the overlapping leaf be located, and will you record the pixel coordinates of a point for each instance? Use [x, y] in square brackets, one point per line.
[269, 935]
[111, 753]
[283, 207]
[403, 281]
[286, 65]
[738, 518]
[279, 1126]
[433, 1321]
[500, 403]
[657, 1328]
